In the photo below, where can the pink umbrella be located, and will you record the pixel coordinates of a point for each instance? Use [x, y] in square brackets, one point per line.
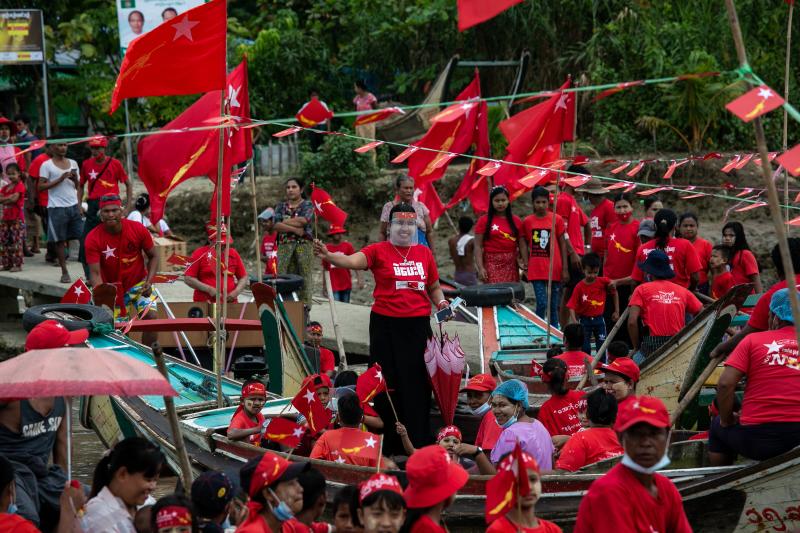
[444, 360]
[78, 372]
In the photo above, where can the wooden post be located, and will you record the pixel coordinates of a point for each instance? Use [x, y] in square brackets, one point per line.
[219, 320]
[172, 416]
[259, 271]
[766, 168]
[339, 342]
[550, 266]
[785, 143]
[623, 318]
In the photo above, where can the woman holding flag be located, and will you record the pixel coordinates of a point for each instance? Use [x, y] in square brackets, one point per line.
[406, 282]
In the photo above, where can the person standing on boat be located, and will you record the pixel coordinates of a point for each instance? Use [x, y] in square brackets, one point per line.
[743, 264]
[269, 241]
[575, 358]
[769, 423]
[201, 275]
[500, 251]
[620, 379]
[601, 216]
[404, 188]
[327, 360]
[622, 245]
[294, 221]
[247, 422]
[406, 282]
[639, 499]
[687, 229]
[577, 225]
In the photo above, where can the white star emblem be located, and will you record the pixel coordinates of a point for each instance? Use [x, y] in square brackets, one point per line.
[765, 93]
[370, 442]
[562, 101]
[379, 375]
[584, 298]
[318, 206]
[773, 347]
[309, 396]
[184, 29]
[78, 291]
[574, 208]
[93, 174]
[340, 460]
[109, 252]
[495, 227]
[297, 432]
[611, 237]
[232, 96]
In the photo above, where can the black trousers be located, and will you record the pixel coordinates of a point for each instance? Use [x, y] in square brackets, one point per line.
[624, 293]
[398, 345]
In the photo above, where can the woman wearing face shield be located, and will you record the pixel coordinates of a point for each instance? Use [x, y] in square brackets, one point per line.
[404, 187]
[406, 282]
[641, 499]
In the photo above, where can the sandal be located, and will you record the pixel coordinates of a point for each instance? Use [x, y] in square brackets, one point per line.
[15, 269]
[65, 278]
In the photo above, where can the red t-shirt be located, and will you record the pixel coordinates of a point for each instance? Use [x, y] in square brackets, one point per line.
[488, 432]
[559, 414]
[587, 447]
[743, 265]
[541, 245]
[703, 249]
[575, 362]
[269, 250]
[770, 361]
[402, 277]
[600, 219]
[340, 277]
[759, 319]
[426, 525]
[326, 360]
[349, 446]
[722, 284]
[203, 267]
[622, 244]
[590, 299]
[504, 525]
[664, 305]
[501, 238]
[242, 420]
[14, 211]
[120, 256]
[102, 183]
[682, 258]
[14, 523]
[36, 164]
[635, 510]
[568, 209]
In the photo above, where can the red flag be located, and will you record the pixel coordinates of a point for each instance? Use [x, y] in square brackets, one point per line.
[510, 483]
[790, 160]
[184, 55]
[370, 384]
[284, 431]
[167, 160]
[472, 12]
[180, 260]
[312, 113]
[78, 293]
[619, 88]
[755, 103]
[428, 196]
[377, 116]
[325, 207]
[165, 278]
[307, 403]
[550, 122]
[475, 186]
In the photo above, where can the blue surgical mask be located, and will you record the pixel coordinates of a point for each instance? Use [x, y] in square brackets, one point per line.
[282, 512]
[636, 467]
[480, 411]
[12, 508]
[510, 422]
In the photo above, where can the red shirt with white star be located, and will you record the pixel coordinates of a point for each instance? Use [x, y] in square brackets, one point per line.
[568, 209]
[771, 363]
[589, 299]
[202, 266]
[269, 251]
[622, 243]
[559, 414]
[501, 238]
[348, 446]
[600, 219]
[682, 258]
[587, 447]
[102, 183]
[402, 277]
[121, 256]
[541, 245]
[664, 305]
[341, 279]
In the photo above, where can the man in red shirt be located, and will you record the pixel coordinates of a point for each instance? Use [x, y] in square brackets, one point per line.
[103, 175]
[661, 304]
[641, 500]
[769, 423]
[341, 281]
[201, 275]
[601, 217]
[327, 361]
[115, 252]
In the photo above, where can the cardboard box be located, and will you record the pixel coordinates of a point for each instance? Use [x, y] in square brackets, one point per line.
[165, 247]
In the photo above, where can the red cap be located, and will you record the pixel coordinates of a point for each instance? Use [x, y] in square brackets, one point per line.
[335, 229]
[480, 383]
[98, 141]
[51, 334]
[254, 389]
[211, 231]
[10, 123]
[377, 483]
[645, 409]
[432, 477]
[271, 469]
[110, 200]
[319, 381]
[624, 366]
[448, 431]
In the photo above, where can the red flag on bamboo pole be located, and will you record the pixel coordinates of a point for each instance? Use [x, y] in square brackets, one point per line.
[510, 483]
[472, 12]
[325, 207]
[474, 186]
[184, 55]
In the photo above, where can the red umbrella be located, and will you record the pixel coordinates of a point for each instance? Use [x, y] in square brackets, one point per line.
[444, 360]
[78, 372]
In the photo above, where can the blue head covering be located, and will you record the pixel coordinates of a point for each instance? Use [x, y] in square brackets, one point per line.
[513, 389]
[781, 306]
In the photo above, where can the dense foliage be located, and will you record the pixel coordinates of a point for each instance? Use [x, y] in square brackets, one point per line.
[400, 46]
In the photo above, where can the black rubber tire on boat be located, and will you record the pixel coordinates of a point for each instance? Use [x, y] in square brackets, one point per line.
[492, 294]
[284, 284]
[86, 316]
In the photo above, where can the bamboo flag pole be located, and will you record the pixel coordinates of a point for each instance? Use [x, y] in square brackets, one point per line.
[623, 318]
[259, 271]
[785, 143]
[550, 266]
[772, 193]
[326, 275]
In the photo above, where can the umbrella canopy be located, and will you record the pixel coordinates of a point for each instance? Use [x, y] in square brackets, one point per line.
[79, 372]
[444, 360]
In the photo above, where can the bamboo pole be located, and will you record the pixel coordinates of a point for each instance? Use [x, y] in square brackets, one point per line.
[259, 271]
[219, 320]
[610, 337]
[326, 274]
[550, 266]
[772, 193]
[172, 416]
[785, 143]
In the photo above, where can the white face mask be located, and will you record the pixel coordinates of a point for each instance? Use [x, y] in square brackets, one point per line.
[636, 467]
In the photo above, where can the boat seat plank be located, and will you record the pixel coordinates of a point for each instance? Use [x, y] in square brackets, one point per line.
[190, 324]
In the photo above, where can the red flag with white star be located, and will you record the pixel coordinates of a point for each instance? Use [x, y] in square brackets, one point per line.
[78, 293]
[790, 160]
[325, 207]
[184, 55]
[430, 197]
[472, 12]
[370, 384]
[357, 448]
[474, 186]
[754, 103]
[510, 482]
[377, 116]
[307, 403]
[312, 113]
[284, 431]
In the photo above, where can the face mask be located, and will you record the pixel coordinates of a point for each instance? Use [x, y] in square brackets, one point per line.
[624, 217]
[12, 508]
[510, 422]
[482, 409]
[282, 512]
[636, 467]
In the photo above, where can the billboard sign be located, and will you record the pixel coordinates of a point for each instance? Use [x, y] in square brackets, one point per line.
[21, 36]
[137, 17]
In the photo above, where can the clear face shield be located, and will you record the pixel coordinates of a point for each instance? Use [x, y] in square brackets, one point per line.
[403, 229]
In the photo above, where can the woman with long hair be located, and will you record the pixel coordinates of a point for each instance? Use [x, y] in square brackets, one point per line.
[559, 413]
[622, 245]
[499, 250]
[742, 263]
[688, 226]
[294, 220]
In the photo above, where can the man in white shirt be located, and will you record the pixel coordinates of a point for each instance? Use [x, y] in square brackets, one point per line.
[59, 177]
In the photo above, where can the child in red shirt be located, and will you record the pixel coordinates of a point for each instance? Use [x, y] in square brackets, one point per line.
[588, 302]
[269, 242]
[596, 443]
[248, 422]
[559, 414]
[721, 279]
[341, 282]
[575, 357]
[12, 233]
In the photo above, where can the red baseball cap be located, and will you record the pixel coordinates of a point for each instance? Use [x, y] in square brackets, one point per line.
[254, 389]
[98, 141]
[318, 381]
[51, 334]
[377, 483]
[269, 469]
[335, 229]
[432, 477]
[645, 409]
[624, 366]
[480, 383]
